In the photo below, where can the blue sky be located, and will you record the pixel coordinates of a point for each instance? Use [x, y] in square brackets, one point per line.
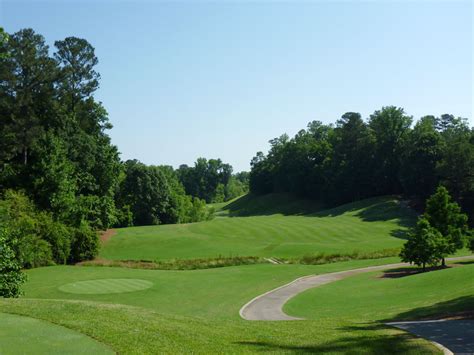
[187, 79]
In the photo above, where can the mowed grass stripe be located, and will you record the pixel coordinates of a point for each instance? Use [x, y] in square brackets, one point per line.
[368, 225]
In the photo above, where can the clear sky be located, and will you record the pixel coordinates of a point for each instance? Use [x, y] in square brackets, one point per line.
[187, 79]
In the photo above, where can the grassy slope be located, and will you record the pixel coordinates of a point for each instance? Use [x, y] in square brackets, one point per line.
[132, 330]
[375, 298]
[41, 335]
[279, 227]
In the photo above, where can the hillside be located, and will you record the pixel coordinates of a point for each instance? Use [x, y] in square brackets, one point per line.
[270, 226]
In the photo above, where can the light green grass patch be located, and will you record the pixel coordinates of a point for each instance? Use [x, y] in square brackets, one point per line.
[370, 297]
[105, 286]
[25, 335]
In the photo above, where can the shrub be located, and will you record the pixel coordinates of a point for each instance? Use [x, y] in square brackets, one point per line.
[84, 244]
[57, 235]
[11, 276]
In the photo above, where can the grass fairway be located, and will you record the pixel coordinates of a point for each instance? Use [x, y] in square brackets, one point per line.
[211, 293]
[371, 297]
[138, 311]
[25, 335]
[269, 226]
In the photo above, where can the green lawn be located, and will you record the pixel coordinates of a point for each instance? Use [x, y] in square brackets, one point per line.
[371, 297]
[278, 227]
[138, 311]
[25, 335]
[197, 311]
[211, 293]
[134, 330]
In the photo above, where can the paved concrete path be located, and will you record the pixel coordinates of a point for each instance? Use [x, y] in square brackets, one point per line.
[269, 306]
[455, 336]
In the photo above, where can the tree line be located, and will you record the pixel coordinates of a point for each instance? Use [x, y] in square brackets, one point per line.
[61, 178]
[386, 154]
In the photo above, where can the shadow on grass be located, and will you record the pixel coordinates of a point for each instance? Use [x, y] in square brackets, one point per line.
[461, 306]
[369, 339]
[468, 262]
[266, 205]
[376, 209]
[409, 271]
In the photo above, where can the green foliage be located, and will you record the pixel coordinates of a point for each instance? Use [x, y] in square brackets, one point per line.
[11, 277]
[212, 180]
[446, 217]
[154, 195]
[53, 141]
[22, 232]
[424, 245]
[84, 243]
[356, 159]
[37, 239]
[57, 235]
[440, 231]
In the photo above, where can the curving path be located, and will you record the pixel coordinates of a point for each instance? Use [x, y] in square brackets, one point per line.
[269, 306]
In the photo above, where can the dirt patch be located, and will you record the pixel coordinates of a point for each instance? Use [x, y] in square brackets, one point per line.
[105, 236]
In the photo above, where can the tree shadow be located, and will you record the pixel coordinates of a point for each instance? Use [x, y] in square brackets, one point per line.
[368, 339]
[456, 307]
[375, 209]
[466, 262]
[409, 271]
[270, 204]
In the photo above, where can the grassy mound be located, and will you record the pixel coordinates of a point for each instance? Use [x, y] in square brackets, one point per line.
[25, 335]
[371, 296]
[280, 226]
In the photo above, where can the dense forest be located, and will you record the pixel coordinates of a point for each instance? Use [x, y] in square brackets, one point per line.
[384, 155]
[61, 178]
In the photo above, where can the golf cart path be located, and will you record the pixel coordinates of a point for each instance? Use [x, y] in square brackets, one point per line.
[269, 306]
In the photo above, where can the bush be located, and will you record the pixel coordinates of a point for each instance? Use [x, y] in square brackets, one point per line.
[11, 276]
[22, 235]
[57, 235]
[84, 244]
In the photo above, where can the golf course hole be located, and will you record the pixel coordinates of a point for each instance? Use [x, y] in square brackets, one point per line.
[105, 286]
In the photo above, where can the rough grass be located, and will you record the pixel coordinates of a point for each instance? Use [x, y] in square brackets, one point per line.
[280, 227]
[323, 258]
[178, 264]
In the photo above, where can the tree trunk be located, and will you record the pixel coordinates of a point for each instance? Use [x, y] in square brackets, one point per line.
[25, 155]
[443, 263]
[424, 267]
